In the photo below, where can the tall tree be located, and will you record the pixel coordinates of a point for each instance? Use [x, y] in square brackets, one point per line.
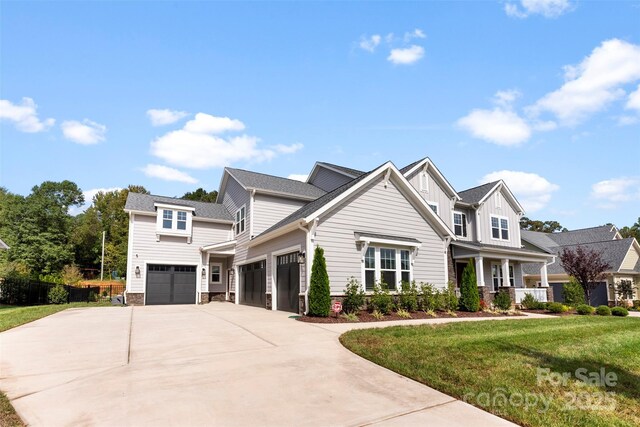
[319, 290]
[201, 195]
[541, 226]
[469, 295]
[633, 231]
[586, 266]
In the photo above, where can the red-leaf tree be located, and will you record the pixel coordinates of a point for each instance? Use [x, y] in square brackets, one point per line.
[586, 266]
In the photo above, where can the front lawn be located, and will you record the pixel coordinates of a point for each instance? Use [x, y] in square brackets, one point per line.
[500, 366]
[12, 316]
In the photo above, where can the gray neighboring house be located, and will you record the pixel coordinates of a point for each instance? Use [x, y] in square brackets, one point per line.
[623, 255]
[255, 245]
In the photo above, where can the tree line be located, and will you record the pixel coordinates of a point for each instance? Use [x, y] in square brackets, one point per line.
[44, 237]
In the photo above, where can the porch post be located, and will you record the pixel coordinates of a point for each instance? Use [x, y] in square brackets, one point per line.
[479, 271]
[505, 272]
[544, 278]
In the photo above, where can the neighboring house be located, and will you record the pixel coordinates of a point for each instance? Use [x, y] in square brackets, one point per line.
[623, 255]
[3, 246]
[255, 246]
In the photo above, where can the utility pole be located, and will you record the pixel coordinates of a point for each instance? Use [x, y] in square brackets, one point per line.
[102, 263]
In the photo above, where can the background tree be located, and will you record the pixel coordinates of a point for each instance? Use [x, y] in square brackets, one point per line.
[633, 231]
[586, 266]
[469, 296]
[319, 291]
[201, 195]
[86, 238]
[541, 226]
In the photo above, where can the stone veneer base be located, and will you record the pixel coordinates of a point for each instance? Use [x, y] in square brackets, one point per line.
[134, 298]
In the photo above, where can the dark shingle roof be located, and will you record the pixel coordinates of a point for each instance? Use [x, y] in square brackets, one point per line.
[410, 166]
[536, 238]
[613, 253]
[585, 235]
[261, 181]
[145, 203]
[475, 194]
[311, 207]
[353, 172]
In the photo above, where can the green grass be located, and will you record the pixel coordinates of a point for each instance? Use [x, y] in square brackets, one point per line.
[12, 316]
[481, 361]
[8, 416]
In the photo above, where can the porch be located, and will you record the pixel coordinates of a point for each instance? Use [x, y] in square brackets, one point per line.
[217, 271]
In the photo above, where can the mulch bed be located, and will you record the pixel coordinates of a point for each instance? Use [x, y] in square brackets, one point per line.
[568, 313]
[365, 316]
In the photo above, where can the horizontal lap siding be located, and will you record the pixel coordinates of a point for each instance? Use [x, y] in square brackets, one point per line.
[329, 180]
[630, 259]
[376, 209]
[234, 197]
[435, 194]
[489, 208]
[170, 249]
[268, 210]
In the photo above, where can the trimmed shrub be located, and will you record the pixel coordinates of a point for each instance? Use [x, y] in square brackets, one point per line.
[469, 296]
[573, 293]
[450, 298]
[556, 307]
[636, 305]
[381, 300]
[58, 295]
[319, 292]
[502, 300]
[585, 309]
[603, 310]
[408, 298]
[427, 297]
[620, 311]
[353, 296]
[529, 302]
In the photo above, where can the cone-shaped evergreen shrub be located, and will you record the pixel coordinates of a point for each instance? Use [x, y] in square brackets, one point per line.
[469, 296]
[319, 292]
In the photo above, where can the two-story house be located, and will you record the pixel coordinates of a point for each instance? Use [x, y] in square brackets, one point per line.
[255, 245]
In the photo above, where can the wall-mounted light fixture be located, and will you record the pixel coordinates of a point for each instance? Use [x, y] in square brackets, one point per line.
[301, 257]
[231, 272]
[204, 273]
[137, 271]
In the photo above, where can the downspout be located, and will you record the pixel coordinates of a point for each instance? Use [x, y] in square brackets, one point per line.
[307, 266]
[251, 202]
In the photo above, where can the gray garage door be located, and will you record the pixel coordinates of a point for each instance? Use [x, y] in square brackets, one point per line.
[288, 282]
[598, 295]
[171, 284]
[253, 282]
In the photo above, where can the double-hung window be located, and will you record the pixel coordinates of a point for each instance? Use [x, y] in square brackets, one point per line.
[167, 219]
[240, 220]
[460, 224]
[216, 275]
[433, 206]
[499, 228]
[388, 267]
[496, 275]
[405, 266]
[370, 268]
[182, 220]
[173, 220]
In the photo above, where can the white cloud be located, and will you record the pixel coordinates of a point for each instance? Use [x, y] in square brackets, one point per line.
[532, 191]
[505, 98]
[298, 177]
[198, 146]
[628, 120]
[207, 124]
[406, 56]
[613, 191]
[86, 132]
[370, 44]
[168, 174]
[288, 149]
[165, 117]
[546, 8]
[633, 103]
[415, 34]
[594, 83]
[24, 116]
[88, 199]
[498, 126]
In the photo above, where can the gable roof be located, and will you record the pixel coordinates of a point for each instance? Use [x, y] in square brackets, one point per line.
[271, 184]
[345, 170]
[138, 202]
[475, 194]
[538, 239]
[430, 166]
[312, 210]
[613, 253]
[585, 235]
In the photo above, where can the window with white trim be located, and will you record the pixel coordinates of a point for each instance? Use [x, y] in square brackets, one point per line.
[433, 206]
[424, 181]
[460, 224]
[496, 275]
[240, 220]
[386, 264]
[499, 228]
[216, 274]
[167, 219]
[182, 220]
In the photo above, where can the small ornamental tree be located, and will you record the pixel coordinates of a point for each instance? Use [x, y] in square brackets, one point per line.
[319, 292]
[586, 266]
[469, 296]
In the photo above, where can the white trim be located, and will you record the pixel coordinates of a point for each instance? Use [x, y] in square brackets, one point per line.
[130, 268]
[393, 242]
[252, 196]
[436, 204]
[215, 246]
[174, 231]
[236, 266]
[428, 164]
[423, 181]
[236, 221]
[500, 218]
[520, 209]
[174, 207]
[274, 272]
[465, 224]
[479, 271]
[189, 264]
[214, 264]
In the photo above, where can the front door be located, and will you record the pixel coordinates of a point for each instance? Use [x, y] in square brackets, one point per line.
[288, 282]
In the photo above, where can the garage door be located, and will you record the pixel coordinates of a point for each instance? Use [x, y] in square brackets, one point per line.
[171, 284]
[253, 282]
[288, 282]
[599, 295]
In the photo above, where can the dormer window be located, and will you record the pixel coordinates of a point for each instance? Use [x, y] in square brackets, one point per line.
[240, 220]
[167, 219]
[182, 220]
[173, 220]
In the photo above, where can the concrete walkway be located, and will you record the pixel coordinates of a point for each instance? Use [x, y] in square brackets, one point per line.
[217, 364]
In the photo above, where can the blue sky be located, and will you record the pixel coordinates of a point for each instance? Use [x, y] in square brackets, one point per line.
[542, 93]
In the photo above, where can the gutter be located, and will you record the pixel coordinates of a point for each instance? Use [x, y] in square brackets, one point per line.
[307, 265]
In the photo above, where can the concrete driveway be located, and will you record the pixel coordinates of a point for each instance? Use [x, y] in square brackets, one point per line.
[217, 364]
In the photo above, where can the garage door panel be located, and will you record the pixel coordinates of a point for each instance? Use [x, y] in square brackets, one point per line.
[171, 284]
[254, 284]
[288, 282]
